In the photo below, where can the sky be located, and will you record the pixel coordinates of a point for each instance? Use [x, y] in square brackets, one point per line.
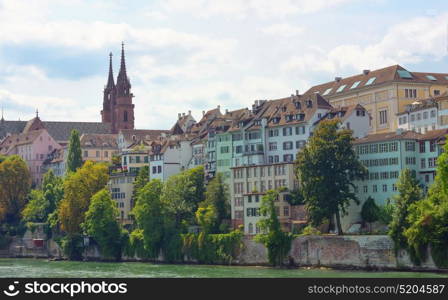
[197, 54]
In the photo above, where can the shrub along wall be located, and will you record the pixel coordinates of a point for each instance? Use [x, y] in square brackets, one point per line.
[368, 251]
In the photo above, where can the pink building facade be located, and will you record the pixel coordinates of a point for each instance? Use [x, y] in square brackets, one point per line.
[33, 145]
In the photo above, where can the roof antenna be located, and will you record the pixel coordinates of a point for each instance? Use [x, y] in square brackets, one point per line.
[37, 113]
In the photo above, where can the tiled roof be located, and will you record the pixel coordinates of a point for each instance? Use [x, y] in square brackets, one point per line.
[384, 75]
[284, 111]
[11, 127]
[19, 139]
[342, 112]
[60, 131]
[379, 137]
[99, 141]
[141, 134]
[423, 104]
[435, 134]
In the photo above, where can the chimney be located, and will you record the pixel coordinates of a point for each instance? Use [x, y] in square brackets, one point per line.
[203, 112]
[189, 112]
[183, 114]
[337, 79]
[179, 115]
[365, 72]
[297, 92]
[227, 110]
[219, 107]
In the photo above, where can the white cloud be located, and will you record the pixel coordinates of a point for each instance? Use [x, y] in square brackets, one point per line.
[283, 30]
[178, 64]
[245, 8]
[413, 41]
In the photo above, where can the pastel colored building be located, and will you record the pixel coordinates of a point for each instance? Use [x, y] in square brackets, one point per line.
[34, 144]
[425, 115]
[169, 156]
[56, 161]
[98, 147]
[385, 155]
[250, 184]
[384, 92]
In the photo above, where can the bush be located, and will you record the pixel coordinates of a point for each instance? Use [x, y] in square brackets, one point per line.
[385, 213]
[370, 212]
[72, 246]
[212, 248]
[5, 240]
[310, 230]
[135, 245]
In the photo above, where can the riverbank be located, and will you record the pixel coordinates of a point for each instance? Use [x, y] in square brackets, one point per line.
[356, 252]
[37, 268]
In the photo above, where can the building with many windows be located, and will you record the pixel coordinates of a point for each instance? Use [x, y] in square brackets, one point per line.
[249, 185]
[385, 155]
[98, 147]
[384, 93]
[425, 115]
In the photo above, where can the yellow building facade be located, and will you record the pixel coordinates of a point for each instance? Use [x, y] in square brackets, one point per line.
[384, 93]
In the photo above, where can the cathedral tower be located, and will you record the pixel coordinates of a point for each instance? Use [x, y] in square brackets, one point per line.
[117, 102]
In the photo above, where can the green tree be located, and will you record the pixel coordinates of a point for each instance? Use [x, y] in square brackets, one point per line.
[326, 168]
[74, 158]
[370, 212]
[140, 181]
[37, 207]
[177, 196]
[276, 241]
[196, 177]
[206, 218]
[15, 184]
[43, 202]
[409, 192]
[217, 196]
[428, 219]
[79, 187]
[101, 224]
[150, 217]
[53, 190]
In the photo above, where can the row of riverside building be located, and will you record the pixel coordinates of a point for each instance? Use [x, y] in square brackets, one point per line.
[399, 120]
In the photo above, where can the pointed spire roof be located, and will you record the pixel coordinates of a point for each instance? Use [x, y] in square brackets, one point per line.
[110, 79]
[123, 84]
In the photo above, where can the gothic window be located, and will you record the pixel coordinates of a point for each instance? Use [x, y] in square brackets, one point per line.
[125, 116]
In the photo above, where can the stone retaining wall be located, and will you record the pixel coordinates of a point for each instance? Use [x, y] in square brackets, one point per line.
[364, 252]
[356, 251]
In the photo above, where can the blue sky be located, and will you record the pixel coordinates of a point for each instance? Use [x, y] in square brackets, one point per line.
[197, 54]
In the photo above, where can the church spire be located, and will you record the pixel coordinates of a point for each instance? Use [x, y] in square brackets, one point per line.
[110, 79]
[123, 84]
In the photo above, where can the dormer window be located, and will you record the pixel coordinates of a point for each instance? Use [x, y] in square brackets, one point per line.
[276, 120]
[309, 103]
[300, 117]
[298, 105]
[257, 122]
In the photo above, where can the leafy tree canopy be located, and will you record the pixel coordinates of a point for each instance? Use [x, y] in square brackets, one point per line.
[326, 168]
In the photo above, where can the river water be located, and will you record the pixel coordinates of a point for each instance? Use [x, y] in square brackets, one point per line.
[43, 268]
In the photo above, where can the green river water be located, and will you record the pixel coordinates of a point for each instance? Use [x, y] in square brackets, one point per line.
[44, 268]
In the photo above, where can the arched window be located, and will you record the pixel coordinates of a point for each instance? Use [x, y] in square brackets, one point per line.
[125, 116]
